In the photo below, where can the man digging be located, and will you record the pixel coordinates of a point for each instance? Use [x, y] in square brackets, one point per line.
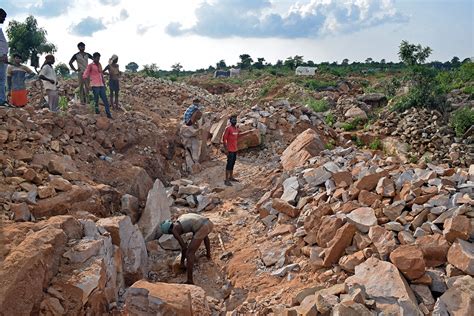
[200, 226]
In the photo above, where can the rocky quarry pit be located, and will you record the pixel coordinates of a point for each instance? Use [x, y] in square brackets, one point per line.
[316, 226]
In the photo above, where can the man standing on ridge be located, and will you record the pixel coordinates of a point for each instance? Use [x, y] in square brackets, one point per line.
[50, 82]
[82, 60]
[3, 60]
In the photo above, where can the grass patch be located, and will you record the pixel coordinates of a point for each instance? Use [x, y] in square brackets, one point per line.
[330, 119]
[331, 145]
[318, 105]
[376, 144]
[349, 126]
[63, 103]
[462, 120]
[317, 85]
[266, 89]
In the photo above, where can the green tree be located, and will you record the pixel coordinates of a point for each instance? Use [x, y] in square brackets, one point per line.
[176, 68]
[411, 54]
[345, 62]
[260, 63]
[455, 62]
[28, 40]
[131, 67]
[298, 60]
[221, 64]
[151, 70]
[62, 69]
[369, 60]
[245, 61]
[423, 89]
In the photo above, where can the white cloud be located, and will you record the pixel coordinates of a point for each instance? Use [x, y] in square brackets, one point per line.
[255, 18]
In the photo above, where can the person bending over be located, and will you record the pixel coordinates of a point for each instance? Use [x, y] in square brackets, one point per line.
[200, 226]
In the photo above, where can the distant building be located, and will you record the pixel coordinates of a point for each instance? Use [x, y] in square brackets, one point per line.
[222, 74]
[305, 71]
[234, 72]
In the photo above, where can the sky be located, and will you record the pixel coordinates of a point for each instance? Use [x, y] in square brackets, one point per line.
[199, 33]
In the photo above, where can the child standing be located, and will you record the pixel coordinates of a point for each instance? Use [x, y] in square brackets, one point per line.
[16, 76]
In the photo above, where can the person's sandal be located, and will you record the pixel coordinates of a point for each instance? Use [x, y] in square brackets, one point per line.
[234, 180]
[227, 183]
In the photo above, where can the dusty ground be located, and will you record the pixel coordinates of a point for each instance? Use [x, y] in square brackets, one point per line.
[242, 235]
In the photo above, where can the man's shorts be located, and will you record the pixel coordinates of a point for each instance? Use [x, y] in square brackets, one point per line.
[114, 85]
[231, 158]
[205, 229]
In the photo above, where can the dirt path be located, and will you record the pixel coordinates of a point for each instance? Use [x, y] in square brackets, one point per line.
[243, 236]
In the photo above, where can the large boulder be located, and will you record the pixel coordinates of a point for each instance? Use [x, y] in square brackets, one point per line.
[130, 240]
[461, 255]
[385, 285]
[99, 200]
[249, 139]
[138, 182]
[28, 268]
[435, 249]
[363, 218]
[409, 260]
[458, 300]
[217, 130]
[157, 209]
[145, 298]
[338, 244]
[355, 113]
[306, 145]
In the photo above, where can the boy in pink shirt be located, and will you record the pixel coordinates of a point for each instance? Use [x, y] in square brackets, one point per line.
[95, 74]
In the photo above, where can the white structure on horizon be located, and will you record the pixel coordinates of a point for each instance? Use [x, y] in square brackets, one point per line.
[234, 72]
[305, 71]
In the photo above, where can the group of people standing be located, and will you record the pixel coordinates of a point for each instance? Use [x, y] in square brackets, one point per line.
[13, 75]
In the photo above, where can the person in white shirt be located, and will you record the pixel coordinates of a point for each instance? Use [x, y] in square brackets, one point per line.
[3, 60]
[50, 82]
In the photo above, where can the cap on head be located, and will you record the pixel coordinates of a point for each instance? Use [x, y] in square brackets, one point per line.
[165, 226]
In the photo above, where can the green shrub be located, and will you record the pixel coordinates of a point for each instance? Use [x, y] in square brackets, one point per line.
[330, 119]
[348, 126]
[376, 144]
[469, 90]
[319, 85]
[318, 105]
[330, 145]
[267, 88]
[63, 103]
[462, 120]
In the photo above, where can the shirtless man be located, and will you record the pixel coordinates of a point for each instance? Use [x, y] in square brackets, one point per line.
[200, 226]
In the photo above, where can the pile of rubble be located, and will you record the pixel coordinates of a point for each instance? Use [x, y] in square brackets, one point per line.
[348, 108]
[426, 133]
[392, 238]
